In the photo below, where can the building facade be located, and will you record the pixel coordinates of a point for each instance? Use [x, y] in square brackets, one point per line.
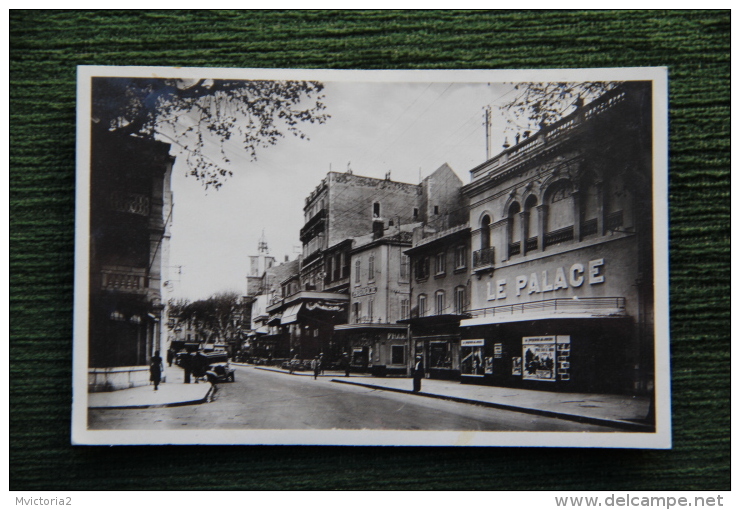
[561, 233]
[440, 296]
[130, 208]
[380, 297]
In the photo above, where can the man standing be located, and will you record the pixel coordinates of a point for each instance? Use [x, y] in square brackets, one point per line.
[418, 373]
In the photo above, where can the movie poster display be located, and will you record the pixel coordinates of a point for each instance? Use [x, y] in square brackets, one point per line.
[471, 353]
[538, 358]
[516, 365]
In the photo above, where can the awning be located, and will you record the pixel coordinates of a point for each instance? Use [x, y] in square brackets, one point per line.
[291, 314]
[584, 308]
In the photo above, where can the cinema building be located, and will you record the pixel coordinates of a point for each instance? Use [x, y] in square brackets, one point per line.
[561, 239]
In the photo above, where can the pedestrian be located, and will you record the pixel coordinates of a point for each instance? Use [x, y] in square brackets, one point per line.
[170, 356]
[316, 366]
[155, 370]
[418, 373]
[322, 366]
[346, 364]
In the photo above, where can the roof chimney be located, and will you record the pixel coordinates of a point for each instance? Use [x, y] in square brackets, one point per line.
[377, 228]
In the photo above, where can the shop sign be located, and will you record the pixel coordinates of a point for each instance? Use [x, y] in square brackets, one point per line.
[364, 291]
[396, 336]
[472, 343]
[548, 280]
[325, 307]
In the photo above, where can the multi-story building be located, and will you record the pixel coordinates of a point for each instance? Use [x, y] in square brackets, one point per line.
[130, 208]
[379, 298]
[440, 296]
[562, 292]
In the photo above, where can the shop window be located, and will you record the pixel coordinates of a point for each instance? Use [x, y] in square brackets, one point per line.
[440, 302]
[439, 355]
[398, 355]
[439, 265]
[422, 305]
[471, 358]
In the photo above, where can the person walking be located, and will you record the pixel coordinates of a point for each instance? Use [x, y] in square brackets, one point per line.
[346, 364]
[418, 373]
[155, 370]
[316, 366]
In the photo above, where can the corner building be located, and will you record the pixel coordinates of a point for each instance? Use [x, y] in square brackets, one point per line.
[561, 240]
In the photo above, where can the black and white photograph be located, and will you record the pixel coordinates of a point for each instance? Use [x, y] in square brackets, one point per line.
[422, 258]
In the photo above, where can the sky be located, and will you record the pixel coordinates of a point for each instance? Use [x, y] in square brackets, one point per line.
[409, 129]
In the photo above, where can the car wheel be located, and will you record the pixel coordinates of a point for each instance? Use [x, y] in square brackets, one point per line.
[231, 377]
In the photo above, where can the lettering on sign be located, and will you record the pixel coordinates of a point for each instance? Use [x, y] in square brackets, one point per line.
[549, 280]
[364, 291]
[396, 336]
[471, 343]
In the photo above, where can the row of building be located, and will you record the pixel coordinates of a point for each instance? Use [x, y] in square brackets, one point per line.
[536, 274]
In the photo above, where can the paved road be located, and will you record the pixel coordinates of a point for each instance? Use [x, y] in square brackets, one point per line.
[268, 400]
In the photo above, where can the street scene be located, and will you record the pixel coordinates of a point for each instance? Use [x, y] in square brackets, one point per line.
[410, 255]
[271, 399]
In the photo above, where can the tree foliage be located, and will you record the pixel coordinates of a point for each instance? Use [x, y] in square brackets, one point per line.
[196, 114]
[215, 318]
[539, 104]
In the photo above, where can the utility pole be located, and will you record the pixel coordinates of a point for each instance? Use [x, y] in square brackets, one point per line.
[488, 131]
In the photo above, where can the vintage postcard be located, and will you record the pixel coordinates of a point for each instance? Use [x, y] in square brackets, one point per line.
[458, 258]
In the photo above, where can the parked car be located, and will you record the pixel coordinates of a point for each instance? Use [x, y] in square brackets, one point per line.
[221, 372]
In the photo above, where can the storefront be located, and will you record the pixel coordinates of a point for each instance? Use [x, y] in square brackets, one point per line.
[437, 339]
[574, 321]
[379, 349]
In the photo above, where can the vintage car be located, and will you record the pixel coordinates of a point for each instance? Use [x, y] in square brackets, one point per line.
[220, 372]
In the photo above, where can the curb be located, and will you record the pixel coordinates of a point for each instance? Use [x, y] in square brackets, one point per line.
[630, 426]
[279, 371]
[157, 406]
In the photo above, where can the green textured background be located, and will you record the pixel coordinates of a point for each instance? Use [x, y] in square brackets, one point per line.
[46, 46]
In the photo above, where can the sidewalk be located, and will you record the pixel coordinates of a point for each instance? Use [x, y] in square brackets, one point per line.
[172, 393]
[618, 411]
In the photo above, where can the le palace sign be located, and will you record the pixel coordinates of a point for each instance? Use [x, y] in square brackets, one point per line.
[552, 280]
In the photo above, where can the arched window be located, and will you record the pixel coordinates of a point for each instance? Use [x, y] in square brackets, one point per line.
[560, 210]
[589, 206]
[485, 233]
[515, 229]
[422, 305]
[531, 227]
[439, 301]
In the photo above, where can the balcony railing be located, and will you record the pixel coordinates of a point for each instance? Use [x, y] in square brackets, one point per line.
[131, 280]
[605, 305]
[559, 236]
[515, 248]
[614, 220]
[531, 244]
[589, 227]
[483, 259]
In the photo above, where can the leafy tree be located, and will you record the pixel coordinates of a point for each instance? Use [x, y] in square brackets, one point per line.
[214, 318]
[539, 104]
[193, 114]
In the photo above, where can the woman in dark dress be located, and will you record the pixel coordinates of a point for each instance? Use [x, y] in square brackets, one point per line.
[155, 370]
